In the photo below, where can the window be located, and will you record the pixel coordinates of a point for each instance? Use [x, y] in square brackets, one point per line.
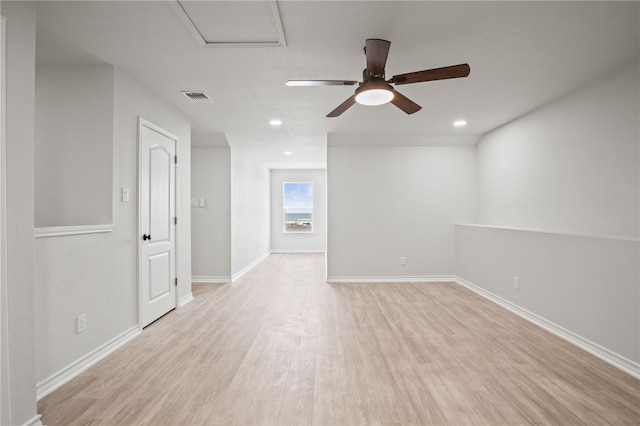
[298, 206]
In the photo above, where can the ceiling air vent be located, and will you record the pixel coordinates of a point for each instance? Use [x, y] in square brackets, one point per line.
[197, 96]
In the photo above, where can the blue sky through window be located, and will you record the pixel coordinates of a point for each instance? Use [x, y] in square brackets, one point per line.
[298, 196]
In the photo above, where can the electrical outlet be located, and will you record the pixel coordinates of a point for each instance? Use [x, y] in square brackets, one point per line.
[516, 283]
[403, 261]
[81, 323]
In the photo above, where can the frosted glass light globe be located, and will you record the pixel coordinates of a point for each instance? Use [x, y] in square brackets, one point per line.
[373, 97]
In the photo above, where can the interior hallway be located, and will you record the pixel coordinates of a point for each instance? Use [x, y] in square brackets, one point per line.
[281, 346]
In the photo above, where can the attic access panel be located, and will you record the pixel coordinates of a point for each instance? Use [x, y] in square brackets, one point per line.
[232, 23]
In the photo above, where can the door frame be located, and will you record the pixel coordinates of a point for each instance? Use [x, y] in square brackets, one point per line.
[142, 122]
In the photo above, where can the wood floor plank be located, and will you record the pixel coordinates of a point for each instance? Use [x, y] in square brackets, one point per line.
[263, 413]
[296, 411]
[281, 346]
[301, 372]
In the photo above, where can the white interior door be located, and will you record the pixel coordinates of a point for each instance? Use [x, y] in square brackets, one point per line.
[157, 223]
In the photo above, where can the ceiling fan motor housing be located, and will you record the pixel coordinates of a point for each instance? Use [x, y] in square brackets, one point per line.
[370, 76]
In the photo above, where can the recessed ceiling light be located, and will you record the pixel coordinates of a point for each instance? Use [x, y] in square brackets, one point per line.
[288, 153]
[275, 122]
[460, 123]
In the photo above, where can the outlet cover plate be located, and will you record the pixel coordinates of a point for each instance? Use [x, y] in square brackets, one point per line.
[81, 323]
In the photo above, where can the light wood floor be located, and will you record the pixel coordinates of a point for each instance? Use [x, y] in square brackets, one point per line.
[281, 347]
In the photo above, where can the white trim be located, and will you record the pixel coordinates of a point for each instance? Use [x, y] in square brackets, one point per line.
[618, 361]
[5, 377]
[549, 231]
[285, 251]
[35, 421]
[210, 279]
[274, 14]
[60, 231]
[403, 279]
[185, 299]
[250, 266]
[74, 369]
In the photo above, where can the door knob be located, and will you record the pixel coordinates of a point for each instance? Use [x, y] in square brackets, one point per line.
[146, 237]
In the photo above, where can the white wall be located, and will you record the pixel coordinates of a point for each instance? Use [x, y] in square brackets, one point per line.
[250, 218]
[20, 85]
[211, 224]
[97, 274]
[74, 145]
[315, 241]
[390, 202]
[586, 285]
[573, 167]
[570, 166]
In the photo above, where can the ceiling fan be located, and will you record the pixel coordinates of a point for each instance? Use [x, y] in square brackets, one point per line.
[375, 90]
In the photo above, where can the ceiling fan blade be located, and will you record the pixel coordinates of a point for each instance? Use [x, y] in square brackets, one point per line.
[404, 103]
[294, 83]
[377, 51]
[343, 107]
[454, 71]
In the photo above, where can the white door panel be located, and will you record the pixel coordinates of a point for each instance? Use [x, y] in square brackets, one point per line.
[159, 276]
[160, 161]
[157, 227]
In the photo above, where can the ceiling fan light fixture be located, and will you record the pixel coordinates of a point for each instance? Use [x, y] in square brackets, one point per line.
[375, 90]
[374, 94]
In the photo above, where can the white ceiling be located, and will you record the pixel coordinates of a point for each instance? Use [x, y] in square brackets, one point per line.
[522, 55]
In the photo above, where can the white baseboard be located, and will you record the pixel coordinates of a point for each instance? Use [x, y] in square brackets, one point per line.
[185, 299]
[211, 279]
[282, 251]
[35, 421]
[618, 361]
[250, 266]
[403, 279]
[58, 379]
